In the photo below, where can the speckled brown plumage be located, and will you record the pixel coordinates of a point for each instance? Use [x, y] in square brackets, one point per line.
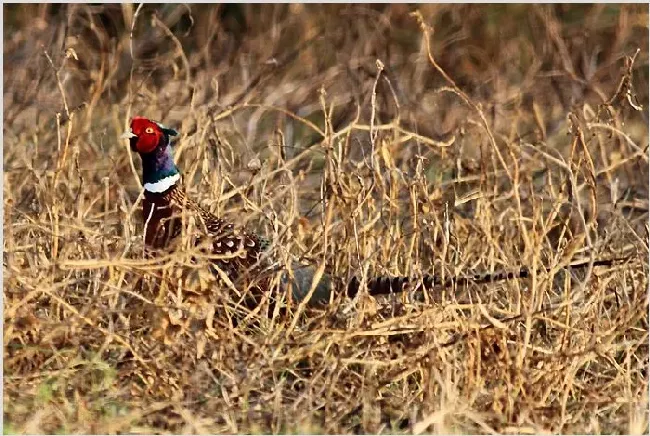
[234, 251]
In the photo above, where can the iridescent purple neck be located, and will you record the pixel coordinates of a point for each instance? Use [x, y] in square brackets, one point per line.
[158, 164]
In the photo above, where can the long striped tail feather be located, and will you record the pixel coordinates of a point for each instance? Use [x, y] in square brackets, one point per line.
[385, 285]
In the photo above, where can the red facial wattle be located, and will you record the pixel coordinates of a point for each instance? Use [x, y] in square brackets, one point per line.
[148, 134]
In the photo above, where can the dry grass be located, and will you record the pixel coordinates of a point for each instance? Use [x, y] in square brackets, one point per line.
[509, 135]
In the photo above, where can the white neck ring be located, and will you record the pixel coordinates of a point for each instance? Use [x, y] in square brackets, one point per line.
[163, 184]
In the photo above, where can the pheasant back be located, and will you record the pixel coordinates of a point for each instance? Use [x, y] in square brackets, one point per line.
[234, 251]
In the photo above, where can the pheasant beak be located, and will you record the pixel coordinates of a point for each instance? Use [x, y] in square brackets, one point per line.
[128, 135]
[132, 137]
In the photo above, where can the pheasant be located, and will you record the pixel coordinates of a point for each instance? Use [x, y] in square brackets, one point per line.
[236, 251]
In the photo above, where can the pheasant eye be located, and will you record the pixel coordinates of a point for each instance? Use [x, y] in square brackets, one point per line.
[148, 130]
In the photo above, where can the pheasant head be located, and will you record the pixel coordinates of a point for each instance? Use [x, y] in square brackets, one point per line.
[151, 140]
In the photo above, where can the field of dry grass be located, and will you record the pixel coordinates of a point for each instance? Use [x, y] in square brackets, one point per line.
[373, 140]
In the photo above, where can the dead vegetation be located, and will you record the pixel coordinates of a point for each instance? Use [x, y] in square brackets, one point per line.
[368, 139]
